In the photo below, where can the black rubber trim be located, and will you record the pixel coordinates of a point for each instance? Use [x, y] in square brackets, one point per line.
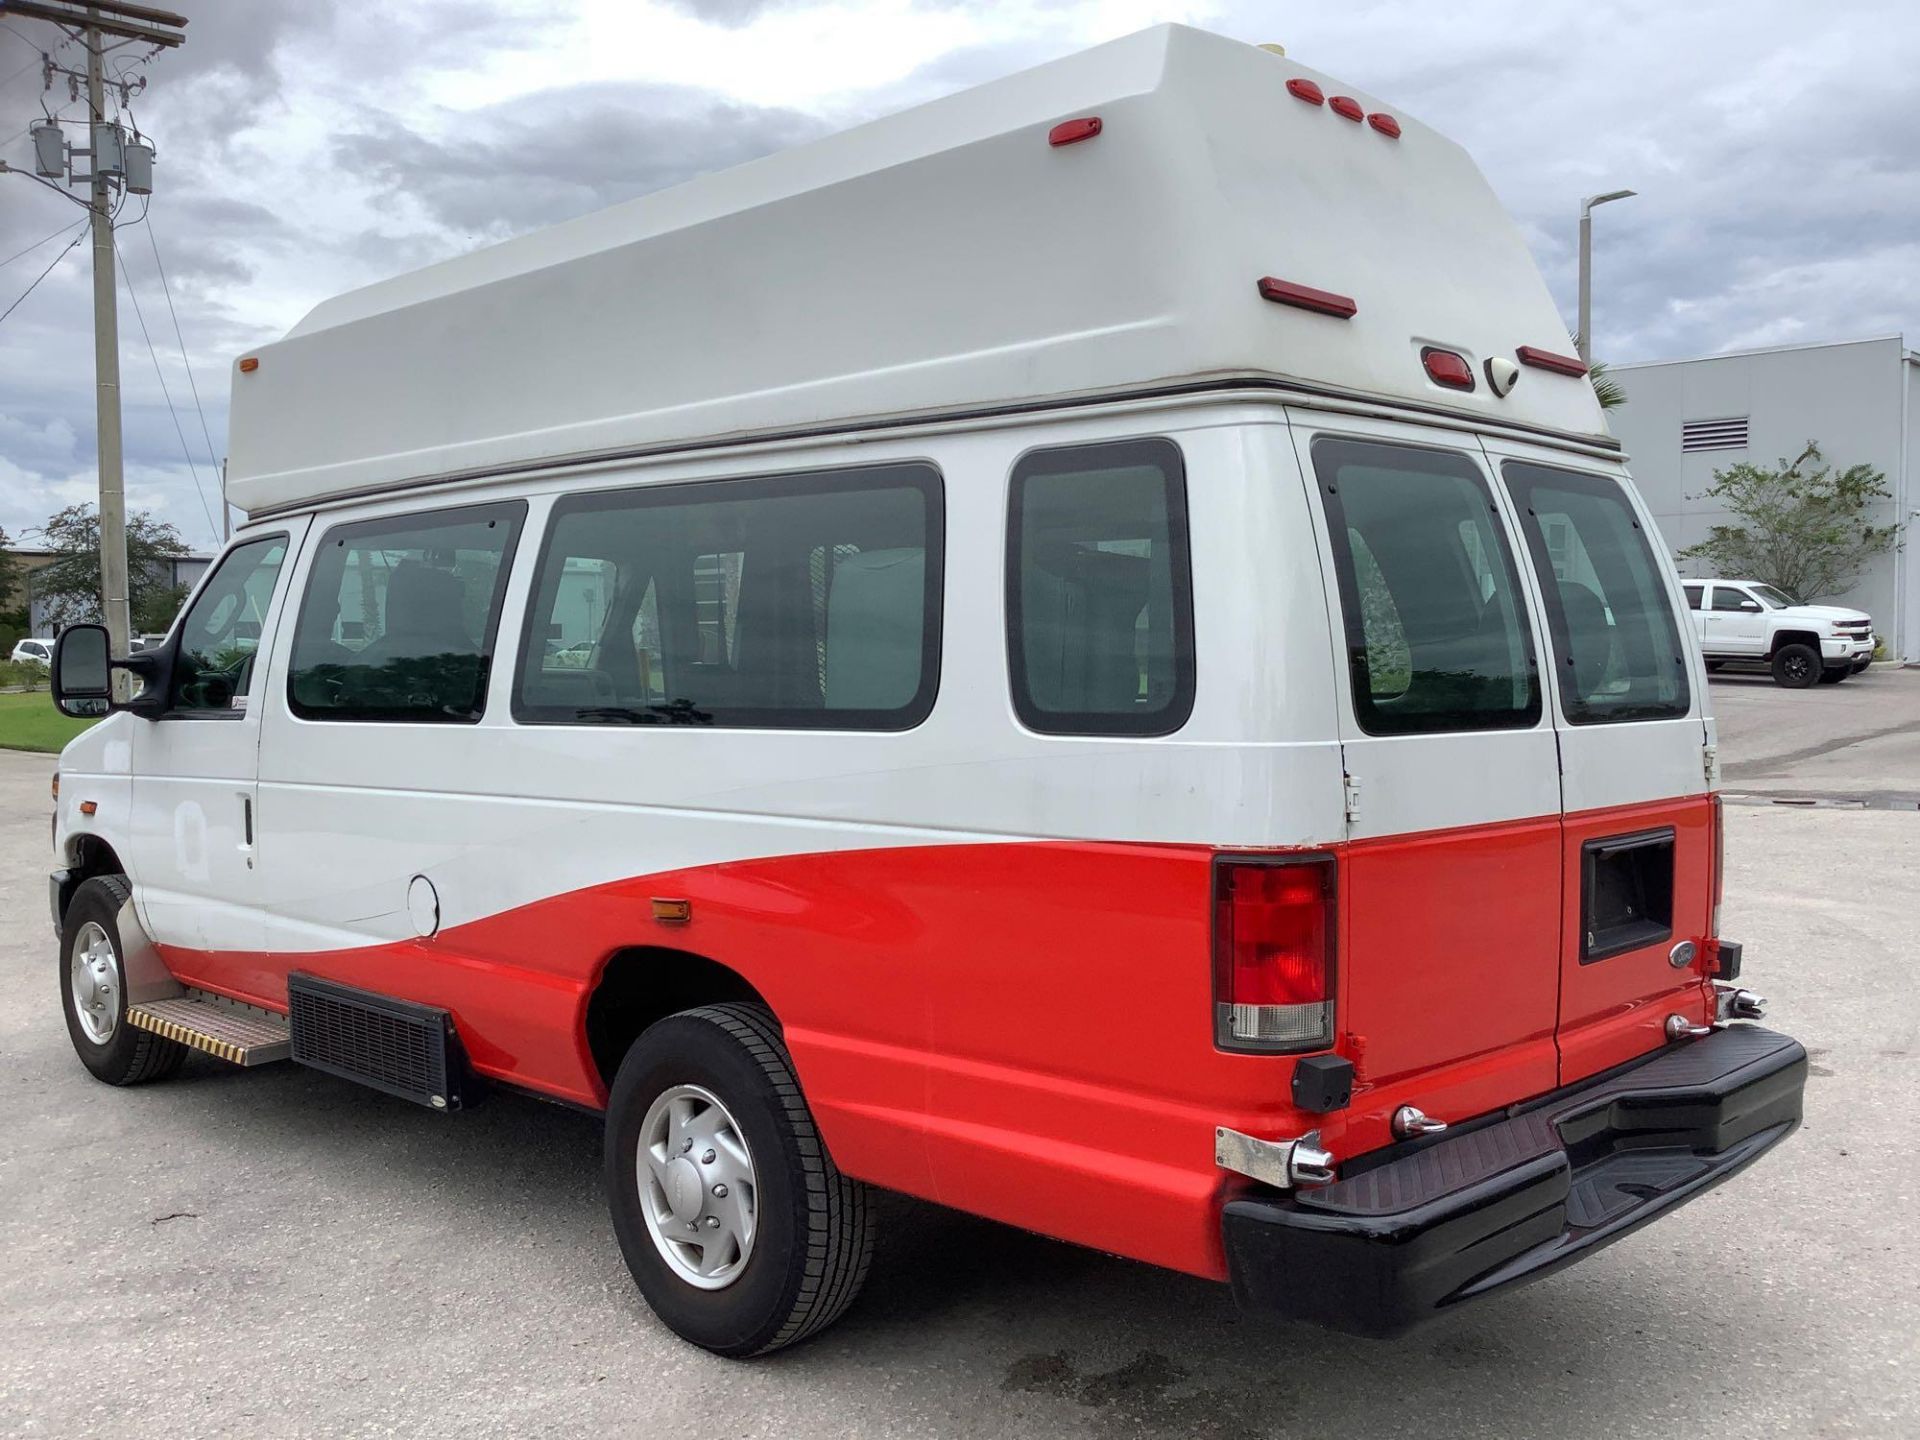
[1510, 1201]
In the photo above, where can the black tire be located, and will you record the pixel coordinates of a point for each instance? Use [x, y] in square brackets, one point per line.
[128, 1056]
[1713, 666]
[1834, 674]
[813, 1238]
[1796, 666]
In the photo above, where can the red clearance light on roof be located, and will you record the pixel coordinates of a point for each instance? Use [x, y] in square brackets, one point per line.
[1273, 952]
[1072, 132]
[1348, 106]
[1305, 297]
[1385, 124]
[1446, 368]
[1547, 360]
[1306, 90]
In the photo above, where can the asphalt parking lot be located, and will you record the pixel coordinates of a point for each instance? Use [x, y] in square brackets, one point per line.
[279, 1253]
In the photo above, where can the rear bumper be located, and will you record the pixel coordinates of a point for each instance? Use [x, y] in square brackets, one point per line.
[1510, 1200]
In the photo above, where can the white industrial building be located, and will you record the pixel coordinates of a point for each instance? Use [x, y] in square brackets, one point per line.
[1860, 399]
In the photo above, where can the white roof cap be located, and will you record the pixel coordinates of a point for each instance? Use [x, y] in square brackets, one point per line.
[944, 259]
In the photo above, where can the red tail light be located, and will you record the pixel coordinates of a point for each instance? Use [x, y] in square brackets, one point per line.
[1273, 953]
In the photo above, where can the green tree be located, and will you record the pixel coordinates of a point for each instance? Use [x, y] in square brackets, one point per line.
[1800, 525]
[10, 571]
[69, 587]
[1606, 389]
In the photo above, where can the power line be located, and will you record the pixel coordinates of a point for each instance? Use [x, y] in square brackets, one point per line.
[36, 245]
[38, 278]
[213, 461]
[192, 469]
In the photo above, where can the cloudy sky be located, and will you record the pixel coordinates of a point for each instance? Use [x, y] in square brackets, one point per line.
[307, 147]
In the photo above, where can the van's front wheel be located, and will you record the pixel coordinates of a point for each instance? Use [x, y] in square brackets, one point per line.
[93, 991]
[738, 1228]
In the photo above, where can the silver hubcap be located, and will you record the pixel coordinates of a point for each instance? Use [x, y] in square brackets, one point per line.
[697, 1186]
[93, 975]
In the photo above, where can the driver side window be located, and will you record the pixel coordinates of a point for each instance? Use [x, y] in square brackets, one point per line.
[220, 633]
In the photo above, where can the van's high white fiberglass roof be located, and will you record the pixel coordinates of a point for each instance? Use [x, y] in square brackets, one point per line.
[944, 259]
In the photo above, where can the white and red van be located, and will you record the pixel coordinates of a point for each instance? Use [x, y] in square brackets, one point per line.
[1081, 652]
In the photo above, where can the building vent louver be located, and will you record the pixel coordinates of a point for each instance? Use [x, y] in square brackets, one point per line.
[1714, 434]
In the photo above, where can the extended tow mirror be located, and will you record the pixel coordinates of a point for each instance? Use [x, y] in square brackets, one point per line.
[82, 678]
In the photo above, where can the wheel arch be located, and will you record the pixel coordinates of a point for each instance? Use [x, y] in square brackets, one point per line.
[644, 983]
[1792, 637]
[87, 855]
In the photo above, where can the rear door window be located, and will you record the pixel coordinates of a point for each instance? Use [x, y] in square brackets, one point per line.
[1437, 635]
[1614, 629]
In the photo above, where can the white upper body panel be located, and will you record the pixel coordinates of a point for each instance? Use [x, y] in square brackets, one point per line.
[942, 260]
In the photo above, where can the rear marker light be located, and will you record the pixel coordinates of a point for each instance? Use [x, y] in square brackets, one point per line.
[1349, 107]
[1547, 360]
[1446, 368]
[1071, 132]
[1385, 124]
[1306, 90]
[1273, 951]
[1305, 297]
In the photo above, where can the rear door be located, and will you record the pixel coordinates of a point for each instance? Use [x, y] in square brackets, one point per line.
[1626, 698]
[1451, 882]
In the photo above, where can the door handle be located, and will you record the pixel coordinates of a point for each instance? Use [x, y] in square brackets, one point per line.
[246, 826]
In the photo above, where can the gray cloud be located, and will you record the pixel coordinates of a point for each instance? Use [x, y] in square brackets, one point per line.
[1774, 150]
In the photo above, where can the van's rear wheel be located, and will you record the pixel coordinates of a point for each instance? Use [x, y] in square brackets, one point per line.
[93, 991]
[738, 1228]
[1796, 666]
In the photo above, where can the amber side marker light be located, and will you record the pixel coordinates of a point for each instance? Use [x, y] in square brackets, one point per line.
[1072, 132]
[1305, 297]
[672, 912]
[1547, 360]
[250, 364]
[89, 807]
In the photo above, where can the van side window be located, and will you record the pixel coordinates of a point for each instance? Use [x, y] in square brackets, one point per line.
[805, 601]
[1694, 594]
[1099, 590]
[399, 615]
[1437, 635]
[1614, 630]
[221, 631]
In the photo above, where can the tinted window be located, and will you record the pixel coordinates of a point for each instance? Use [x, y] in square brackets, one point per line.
[1694, 593]
[220, 633]
[1725, 597]
[1437, 637]
[1614, 630]
[1099, 594]
[1779, 599]
[399, 617]
[797, 601]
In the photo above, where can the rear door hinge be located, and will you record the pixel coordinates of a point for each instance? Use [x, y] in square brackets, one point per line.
[1352, 785]
[1710, 763]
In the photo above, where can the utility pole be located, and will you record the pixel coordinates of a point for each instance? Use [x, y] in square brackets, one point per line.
[114, 159]
[1584, 340]
[106, 374]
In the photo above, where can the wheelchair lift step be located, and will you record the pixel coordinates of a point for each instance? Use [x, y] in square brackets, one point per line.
[243, 1034]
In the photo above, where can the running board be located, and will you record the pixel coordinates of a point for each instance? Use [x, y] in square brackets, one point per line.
[243, 1034]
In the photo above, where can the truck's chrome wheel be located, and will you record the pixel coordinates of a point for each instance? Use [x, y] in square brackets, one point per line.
[93, 974]
[697, 1186]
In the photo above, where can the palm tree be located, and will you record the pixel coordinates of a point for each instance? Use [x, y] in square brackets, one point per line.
[1606, 389]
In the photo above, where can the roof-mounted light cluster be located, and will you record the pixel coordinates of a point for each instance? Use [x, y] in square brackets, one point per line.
[1344, 106]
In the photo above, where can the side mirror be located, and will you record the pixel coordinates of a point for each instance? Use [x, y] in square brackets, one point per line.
[82, 672]
[82, 675]
[1752, 607]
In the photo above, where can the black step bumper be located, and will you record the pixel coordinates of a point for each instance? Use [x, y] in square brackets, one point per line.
[1520, 1195]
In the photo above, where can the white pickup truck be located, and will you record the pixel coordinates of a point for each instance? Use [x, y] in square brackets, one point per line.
[1744, 620]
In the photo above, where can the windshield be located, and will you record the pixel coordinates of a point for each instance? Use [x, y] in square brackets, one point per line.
[1779, 600]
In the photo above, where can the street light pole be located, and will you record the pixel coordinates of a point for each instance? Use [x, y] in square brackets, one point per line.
[1584, 340]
